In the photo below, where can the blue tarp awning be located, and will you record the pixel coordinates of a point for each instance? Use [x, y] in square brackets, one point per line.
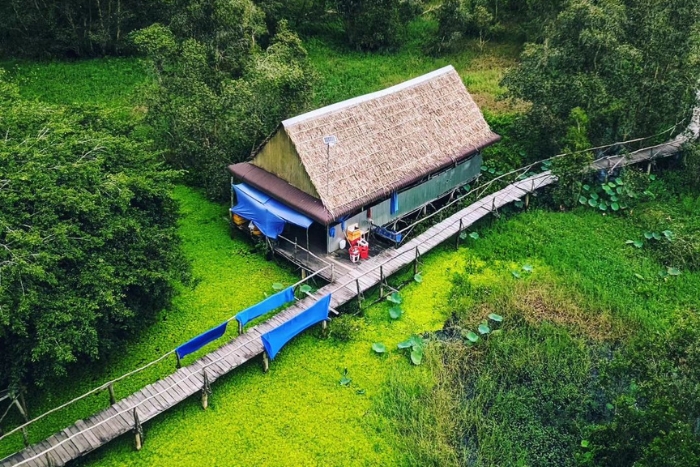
[274, 340]
[268, 214]
[201, 340]
[267, 305]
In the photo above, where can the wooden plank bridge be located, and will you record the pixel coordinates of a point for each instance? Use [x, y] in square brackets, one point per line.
[129, 413]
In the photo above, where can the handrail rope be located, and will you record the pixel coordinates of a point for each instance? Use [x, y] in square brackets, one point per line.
[89, 393]
[105, 385]
[525, 168]
[139, 403]
[304, 249]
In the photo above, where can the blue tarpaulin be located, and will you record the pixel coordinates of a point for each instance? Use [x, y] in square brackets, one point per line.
[201, 340]
[274, 340]
[268, 214]
[394, 205]
[269, 304]
[388, 234]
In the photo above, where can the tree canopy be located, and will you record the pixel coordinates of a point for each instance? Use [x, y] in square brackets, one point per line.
[218, 93]
[88, 247]
[631, 66]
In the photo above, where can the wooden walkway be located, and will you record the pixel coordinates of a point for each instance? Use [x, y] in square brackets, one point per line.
[89, 434]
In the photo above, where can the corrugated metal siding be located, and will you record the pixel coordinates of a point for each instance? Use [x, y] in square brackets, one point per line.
[413, 198]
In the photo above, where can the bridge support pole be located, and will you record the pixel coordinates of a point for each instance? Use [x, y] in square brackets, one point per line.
[649, 168]
[178, 365]
[206, 390]
[527, 200]
[138, 431]
[459, 233]
[266, 362]
[381, 282]
[240, 328]
[359, 294]
[112, 397]
[415, 262]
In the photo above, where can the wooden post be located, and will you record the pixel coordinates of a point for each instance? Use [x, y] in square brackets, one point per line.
[303, 273]
[381, 282]
[206, 390]
[179, 363]
[266, 362]
[459, 232]
[649, 168]
[415, 262]
[359, 293]
[527, 200]
[138, 431]
[112, 398]
[240, 327]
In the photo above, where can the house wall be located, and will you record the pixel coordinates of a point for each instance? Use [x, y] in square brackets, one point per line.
[411, 199]
[280, 157]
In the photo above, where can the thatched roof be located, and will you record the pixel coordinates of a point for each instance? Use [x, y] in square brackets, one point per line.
[388, 139]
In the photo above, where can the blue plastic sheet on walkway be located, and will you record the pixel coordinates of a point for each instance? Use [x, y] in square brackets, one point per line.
[274, 340]
[201, 340]
[267, 305]
[388, 234]
[268, 214]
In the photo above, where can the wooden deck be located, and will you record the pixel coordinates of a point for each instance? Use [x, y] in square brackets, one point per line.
[87, 435]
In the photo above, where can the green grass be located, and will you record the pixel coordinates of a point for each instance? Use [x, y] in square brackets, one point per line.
[525, 397]
[106, 82]
[344, 74]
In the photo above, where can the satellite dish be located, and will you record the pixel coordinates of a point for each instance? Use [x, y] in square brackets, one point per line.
[330, 140]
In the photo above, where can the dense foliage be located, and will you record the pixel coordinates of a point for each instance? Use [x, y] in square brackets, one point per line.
[73, 28]
[631, 66]
[487, 19]
[376, 24]
[654, 417]
[88, 250]
[217, 93]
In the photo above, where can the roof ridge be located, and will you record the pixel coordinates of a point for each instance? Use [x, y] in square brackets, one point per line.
[366, 97]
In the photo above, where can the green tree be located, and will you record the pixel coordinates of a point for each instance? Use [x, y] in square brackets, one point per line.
[218, 94]
[632, 67]
[88, 243]
[74, 28]
[652, 419]
[376, 24]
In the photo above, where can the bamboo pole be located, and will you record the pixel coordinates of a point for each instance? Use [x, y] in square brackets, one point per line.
[206, 390]
[415, 262]
[381, 282]
[459, 233]
[266, 362]
[138, 431]
[112, 398]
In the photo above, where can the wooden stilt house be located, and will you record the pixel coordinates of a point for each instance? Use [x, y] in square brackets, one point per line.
[366, 162]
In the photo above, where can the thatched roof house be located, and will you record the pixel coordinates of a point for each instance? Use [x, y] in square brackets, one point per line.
[332, 162]
[386, 141]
